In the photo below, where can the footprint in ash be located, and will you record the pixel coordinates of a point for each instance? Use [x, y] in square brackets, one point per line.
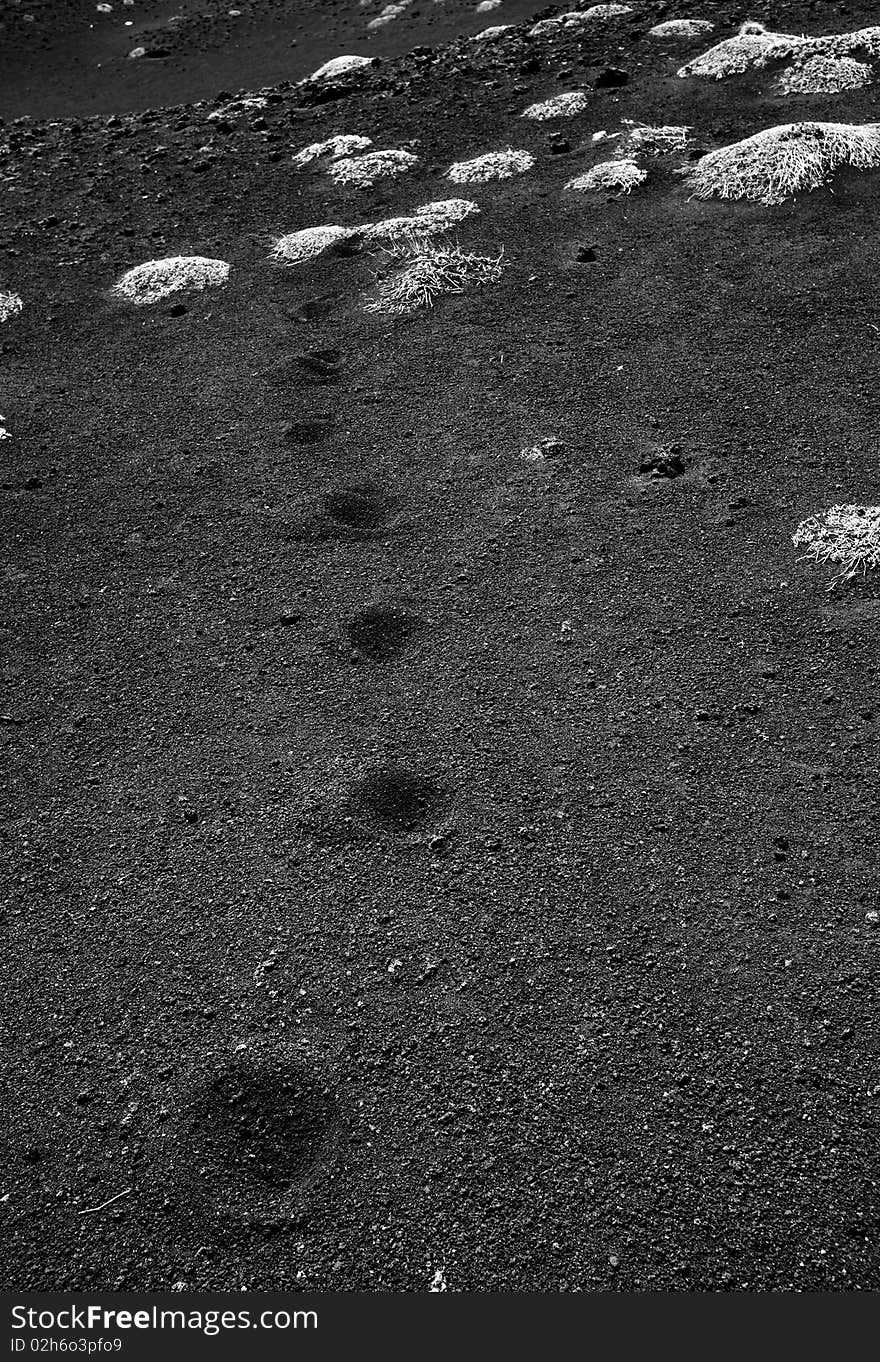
[317, 366]
[268, 1121]
[380, 632]
[311, 431]
[361, 508]
[400, 801]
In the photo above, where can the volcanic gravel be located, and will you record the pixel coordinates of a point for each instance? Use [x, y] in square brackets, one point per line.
[440, 811]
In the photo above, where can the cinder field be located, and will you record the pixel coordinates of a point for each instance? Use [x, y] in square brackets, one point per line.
[440, 800]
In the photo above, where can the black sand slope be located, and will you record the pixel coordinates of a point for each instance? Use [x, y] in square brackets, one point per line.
[62, 58]
[423, 863]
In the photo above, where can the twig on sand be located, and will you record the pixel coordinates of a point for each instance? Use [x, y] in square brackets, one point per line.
[90, 1210]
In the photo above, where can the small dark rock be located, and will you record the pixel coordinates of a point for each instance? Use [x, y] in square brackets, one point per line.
[666, 464]
[611, 78]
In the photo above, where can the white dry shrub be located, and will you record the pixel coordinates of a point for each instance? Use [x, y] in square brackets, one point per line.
[559, 106]
[772, 165]
[655, 141]
[606, 11]
[570, 20]
[10, 305]
[820, 75]
[622, 176]
[449, 210]
[431, 219]
[490, 34]
[839, 44]
[495, 165]
[158, 279]
[298, 247]
[238, 106]
[339, 66]
[364, 171]
[486, 6]
[425, 270]
[753, 47]
[344, 144]
[681, 28]
[4, 433]
[848, 535]
[389, 14]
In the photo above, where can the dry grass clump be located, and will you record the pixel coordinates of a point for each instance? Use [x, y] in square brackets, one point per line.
[655, 141]
[772, 165]
[848, 535]
[425, 270]
[495, 165]
[298, 247]
[681, 28]
[559, 106]
[364, 171]
[754, 46]
[157, 279]
[820, 75]
[339, 66]
[609, 177]
[10, 305]
[431, 219]
[4, 433]
[486, 6]
[332, 148]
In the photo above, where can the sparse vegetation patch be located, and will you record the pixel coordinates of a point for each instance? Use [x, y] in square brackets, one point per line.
[364, 171]
[756, 46]
[423, 271]
[430, 220]
[681, 28]
[559, 106]
[607, 11]
[570, 20]
[331, 149]
[10, 305]
[495, 165]
[654, 141]
[157, 279]
[339, 66]
[820, 75]
[489, 34]
[753, 47]
[619, 177]
[779, 162]
[297, 247]
[848, 535]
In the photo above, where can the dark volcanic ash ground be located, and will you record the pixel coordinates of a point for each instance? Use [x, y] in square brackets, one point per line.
[425, 864]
